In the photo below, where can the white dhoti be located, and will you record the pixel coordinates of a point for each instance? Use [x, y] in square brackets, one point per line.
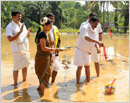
[56, 64]
[95, 55]
[21, 60]
[81, 58]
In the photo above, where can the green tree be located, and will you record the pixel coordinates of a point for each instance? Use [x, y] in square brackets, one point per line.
[57, 11]
[6, 8]
[68, 13]
[77, 5]
[35, 10]
[121, 14]
[124, 11]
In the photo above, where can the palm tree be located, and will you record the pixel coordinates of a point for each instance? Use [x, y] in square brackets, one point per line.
[122, 8]
[102, 7]
[115, 5]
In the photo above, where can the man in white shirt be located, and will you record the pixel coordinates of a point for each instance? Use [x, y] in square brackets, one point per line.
[86, 41]
[94, 54]
[18, 35]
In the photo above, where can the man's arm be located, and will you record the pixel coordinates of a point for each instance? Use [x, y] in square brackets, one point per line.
[94, 41]
[100, 36]
[100, 32]
[11, 38]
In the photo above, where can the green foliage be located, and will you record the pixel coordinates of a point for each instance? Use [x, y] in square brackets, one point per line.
[57, 11]
[64, 27]
[68, 14]
[113, 29]
[2, 30]
[81, 16]
[68, 30]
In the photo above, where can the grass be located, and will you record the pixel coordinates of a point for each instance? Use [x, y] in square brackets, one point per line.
[68, 30]
[60, 30]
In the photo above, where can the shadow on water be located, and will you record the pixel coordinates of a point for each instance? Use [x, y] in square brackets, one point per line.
[17, 95]
[22, 94]
[9, 87]
[44, 100]
[70, 87]
[118, 60]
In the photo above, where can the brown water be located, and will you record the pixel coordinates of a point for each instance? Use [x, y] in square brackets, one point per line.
[65, 88]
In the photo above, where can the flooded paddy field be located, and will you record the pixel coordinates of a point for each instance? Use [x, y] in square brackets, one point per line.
[65, 88]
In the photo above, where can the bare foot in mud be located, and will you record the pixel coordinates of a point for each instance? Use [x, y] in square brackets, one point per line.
[39, 91]
[15, 84]
[38, 88]
[24, 80]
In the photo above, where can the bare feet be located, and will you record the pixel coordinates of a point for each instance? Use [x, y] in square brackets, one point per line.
[15, 84]
[88, 80]
[38, 88]
[39, 91]
[54, 74]
[77, 82]
[42, 86]
[24, 80]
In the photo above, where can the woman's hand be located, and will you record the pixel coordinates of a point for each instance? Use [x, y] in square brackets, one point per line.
[58, 49]
[53, 43]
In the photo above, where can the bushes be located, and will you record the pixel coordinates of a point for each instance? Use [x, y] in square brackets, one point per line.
[68, 30]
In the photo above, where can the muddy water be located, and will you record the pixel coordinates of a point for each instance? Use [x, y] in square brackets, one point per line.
[65, 88]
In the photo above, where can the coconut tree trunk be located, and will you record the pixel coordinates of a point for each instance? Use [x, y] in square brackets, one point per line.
[107, 13]
[126, 23]
[104, 14]
[116, 18]
[126, 16]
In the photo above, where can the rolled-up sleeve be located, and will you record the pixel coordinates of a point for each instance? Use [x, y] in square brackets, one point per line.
[9, 31]
[99, 28]
[84, 32]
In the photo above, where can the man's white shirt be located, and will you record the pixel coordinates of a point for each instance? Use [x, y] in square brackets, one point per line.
[98, 28]
[11, 30]
[86, 30]
[52, 33]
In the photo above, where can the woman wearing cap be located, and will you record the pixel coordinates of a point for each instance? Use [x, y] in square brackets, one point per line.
[43, 55]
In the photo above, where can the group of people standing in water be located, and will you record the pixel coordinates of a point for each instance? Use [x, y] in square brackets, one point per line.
[48, 47]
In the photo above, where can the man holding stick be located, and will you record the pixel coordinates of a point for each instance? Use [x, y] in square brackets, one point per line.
[86, 41]
[95, 54]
